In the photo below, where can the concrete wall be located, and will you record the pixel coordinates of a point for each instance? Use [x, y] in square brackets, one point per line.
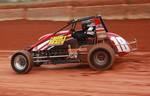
[66, 10]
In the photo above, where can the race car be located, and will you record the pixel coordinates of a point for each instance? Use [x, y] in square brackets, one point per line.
[85, 40]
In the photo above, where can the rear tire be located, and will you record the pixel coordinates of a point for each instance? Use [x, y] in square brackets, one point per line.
[101, 57]
[21, 62]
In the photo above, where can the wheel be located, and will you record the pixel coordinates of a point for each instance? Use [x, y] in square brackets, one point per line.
[101, 57]
[21, 62]
[38, 64]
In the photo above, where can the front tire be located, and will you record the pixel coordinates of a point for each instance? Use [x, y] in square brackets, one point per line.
[21, 62]
[101, 57]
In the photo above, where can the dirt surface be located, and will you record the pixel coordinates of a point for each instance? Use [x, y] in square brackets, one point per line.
[130, 76]
[20, 34]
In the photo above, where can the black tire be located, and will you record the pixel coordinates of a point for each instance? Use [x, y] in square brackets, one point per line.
[21, 62]
[101, 57]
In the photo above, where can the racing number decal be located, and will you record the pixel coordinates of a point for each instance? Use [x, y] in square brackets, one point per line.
[121, 44]
[58, 40]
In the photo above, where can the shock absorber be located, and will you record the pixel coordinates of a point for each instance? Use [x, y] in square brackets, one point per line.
[72, 52]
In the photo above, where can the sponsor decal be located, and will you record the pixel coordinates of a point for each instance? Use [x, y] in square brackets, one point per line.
[58, 40]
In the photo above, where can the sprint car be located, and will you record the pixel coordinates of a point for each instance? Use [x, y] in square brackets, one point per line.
[84, 40]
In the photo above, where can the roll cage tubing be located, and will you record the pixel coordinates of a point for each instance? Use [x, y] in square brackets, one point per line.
[74, 21]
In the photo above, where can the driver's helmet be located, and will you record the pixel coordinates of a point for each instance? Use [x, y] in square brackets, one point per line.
[86, 24]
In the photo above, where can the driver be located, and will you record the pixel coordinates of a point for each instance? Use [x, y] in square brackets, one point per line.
[88, 28]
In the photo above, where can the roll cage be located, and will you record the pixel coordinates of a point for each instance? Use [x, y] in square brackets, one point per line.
[73, 23]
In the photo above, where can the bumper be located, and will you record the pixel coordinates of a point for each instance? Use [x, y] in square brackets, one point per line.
[133, 45]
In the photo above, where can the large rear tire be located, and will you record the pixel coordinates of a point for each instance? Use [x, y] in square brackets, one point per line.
[21, 62]
[101, 57]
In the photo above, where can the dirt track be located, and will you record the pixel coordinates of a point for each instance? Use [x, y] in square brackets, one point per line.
[130, 76]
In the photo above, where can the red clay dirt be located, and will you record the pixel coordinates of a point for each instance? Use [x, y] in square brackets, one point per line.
[130, 75]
